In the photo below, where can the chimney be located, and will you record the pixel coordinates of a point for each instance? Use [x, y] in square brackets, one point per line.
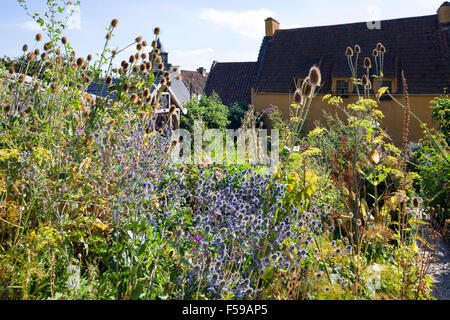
[202, 71]
[272, 25]
[444, 13]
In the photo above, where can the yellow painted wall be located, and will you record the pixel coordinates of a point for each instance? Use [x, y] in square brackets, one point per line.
[392, 122]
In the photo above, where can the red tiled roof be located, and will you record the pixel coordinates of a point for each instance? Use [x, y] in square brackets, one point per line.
[231, 81]
[194, 81]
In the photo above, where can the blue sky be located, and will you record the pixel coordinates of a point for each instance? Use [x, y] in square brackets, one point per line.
[196, 32]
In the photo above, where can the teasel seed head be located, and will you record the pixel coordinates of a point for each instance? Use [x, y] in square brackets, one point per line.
[44, 56]
[298, 97]
[109, 80]
[53, 86]
[108, 36]
[21, 79]
[7, 107]
[144, 56]
[31, 56]
[161, 67]
[121, 70]
[307, 88]
[365, 81]
[126, 87]
[38, 37]
[148, 65]
[172, 109]
[132, 59]
[349, 52]
[114, 23]
[375, 53]
[47, 46]
[383, 49]
[163, 81]
[139, 47]
[137, 55]
[357, 49]
[157, 31]
[175, 69]
[134, 98]
[25, 48]
[36, 52]
[379, 45]
[143, 67]
[89, 57]
[80, 62]
[154, 56]
[135, 69]
[179, 77]
[36, 86]
[315, 76]
[157, 51]
[146, 92]
[12, 70]
[144, 43]
[64, 40]
[58, 60]
[367, 63]
[139, 39]
[58, 51]
[154, 44]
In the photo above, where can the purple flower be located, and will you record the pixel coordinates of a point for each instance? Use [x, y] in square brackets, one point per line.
[3, 132]
[197, 238]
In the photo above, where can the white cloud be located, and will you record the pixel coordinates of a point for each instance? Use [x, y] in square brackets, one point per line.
[192, 59]
[31, 26]
[74, 22]
[246, 23]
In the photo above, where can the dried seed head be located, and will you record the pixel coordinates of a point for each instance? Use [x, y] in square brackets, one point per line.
[139, 39]
[357, 49]
[161, 67]
[64, 40]
[367, 63]
[58, 51]
[37, 85]
[172, 109]
[80, 62]
[365, 81]
[137, 56]
[44, 56]
[154, 44]
[132, 59]
[134, 98]
[307, 89]
[175, 69]
[114, 23]
[58, 60]
[21, 79]
[379, 45]
[109, 80]
[298, 97]
[135, 69]
[148, 65]
[47, 46]
[7, 107]
[416, 202]
[144, 56]
[167, 74]
[144, 43]
[38, 37]
[159, 60]
[126, 87]
[36, 52]
[375, 53]
[163, 81]
[349, 52]
[53, 86]
[146, 92]
[143, 67]
[89, 57]
[157, 51]
[25, 48]
[157, 31]
[179, 77]
[383, 49]
[31, 56]
[315, 76]
[139, 47]
[12, 70]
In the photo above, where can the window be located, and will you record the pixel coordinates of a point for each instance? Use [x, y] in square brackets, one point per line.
[342, 88]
